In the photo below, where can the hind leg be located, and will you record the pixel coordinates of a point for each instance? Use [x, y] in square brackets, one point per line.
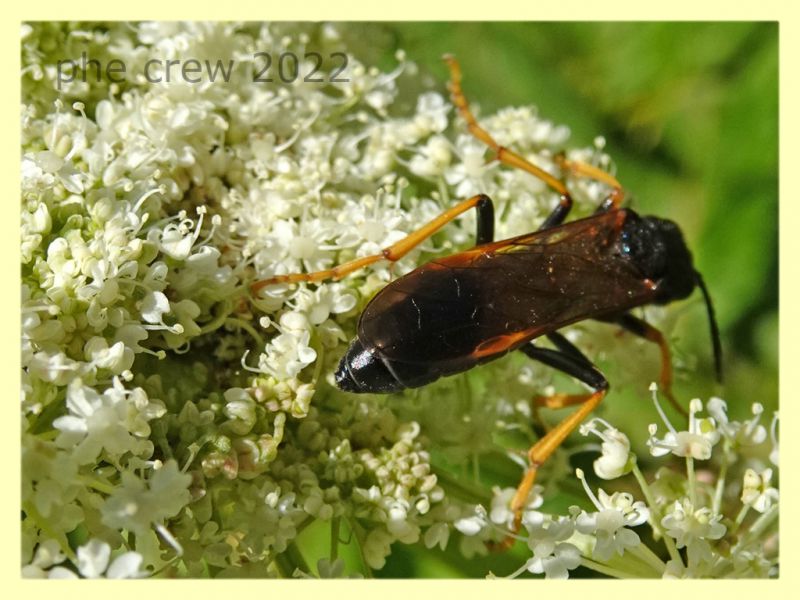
[580, 368]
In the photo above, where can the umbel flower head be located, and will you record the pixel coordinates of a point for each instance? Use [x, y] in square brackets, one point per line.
[175, 425]
[689, 518]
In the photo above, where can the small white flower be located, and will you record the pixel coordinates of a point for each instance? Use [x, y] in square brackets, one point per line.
[288, 354]
[557, 564]
[53, 366]
[432, 159]
[501, 513]
[240, 408]
[48, 554]
[616, 459]
[686, 524]
[471, 525]
[400, 525]
[327, 300]
[116, 358]
[696, 442]
[431, 113]
[437, 534]
[774, 455]
[94, 562]
[185, 312]
[126, 566]
[93, 558]
[114, 421]
[520, 126]
[377, 546]
[138, 505]
[467, 175]
[752, 563]
[757, 491]
[177, 239]
[330, 570]
[552, 554]
[154, 306]
[692, 528]
[748, 433]
[610, 523]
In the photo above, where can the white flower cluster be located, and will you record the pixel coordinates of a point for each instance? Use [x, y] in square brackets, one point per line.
[159, 398]
[700, 523]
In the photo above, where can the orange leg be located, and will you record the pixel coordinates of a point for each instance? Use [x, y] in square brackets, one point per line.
[582, 169]
[645, 330]
[555, 402]
[511, 158]
[544, 448]
[396, 251]
[655, 336]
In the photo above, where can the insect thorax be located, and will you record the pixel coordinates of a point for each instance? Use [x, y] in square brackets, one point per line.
[657, 248]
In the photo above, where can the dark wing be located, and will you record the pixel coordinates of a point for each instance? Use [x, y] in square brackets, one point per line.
[467, 308]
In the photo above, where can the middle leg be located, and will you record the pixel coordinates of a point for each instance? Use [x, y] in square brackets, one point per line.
[484, 234]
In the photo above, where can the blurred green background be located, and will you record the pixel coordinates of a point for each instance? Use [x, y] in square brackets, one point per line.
[690, 115]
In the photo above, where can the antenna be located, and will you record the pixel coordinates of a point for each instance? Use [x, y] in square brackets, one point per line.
[712, 321]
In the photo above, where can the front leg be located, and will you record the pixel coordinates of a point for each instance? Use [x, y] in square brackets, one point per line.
[643, 329]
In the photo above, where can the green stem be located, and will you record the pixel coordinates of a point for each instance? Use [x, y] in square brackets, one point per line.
[339, 111]
[171, 563]
[473, 493]
[655, 515]
[476, 468]
[606, 570]
[445, 195]
[648, 556]
[96, 484]
[335, 522]
[518, 572]
[692, 482]
[720, 488]
[223, 309]
[740, 518]
[764, 521]
[42, 424]
[635, 563]
[296, 559]
[242, 324]
[320, 350]
[284, 565]
[43, 524]
[358, 533]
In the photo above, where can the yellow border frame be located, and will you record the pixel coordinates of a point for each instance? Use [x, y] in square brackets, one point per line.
[422, 10]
